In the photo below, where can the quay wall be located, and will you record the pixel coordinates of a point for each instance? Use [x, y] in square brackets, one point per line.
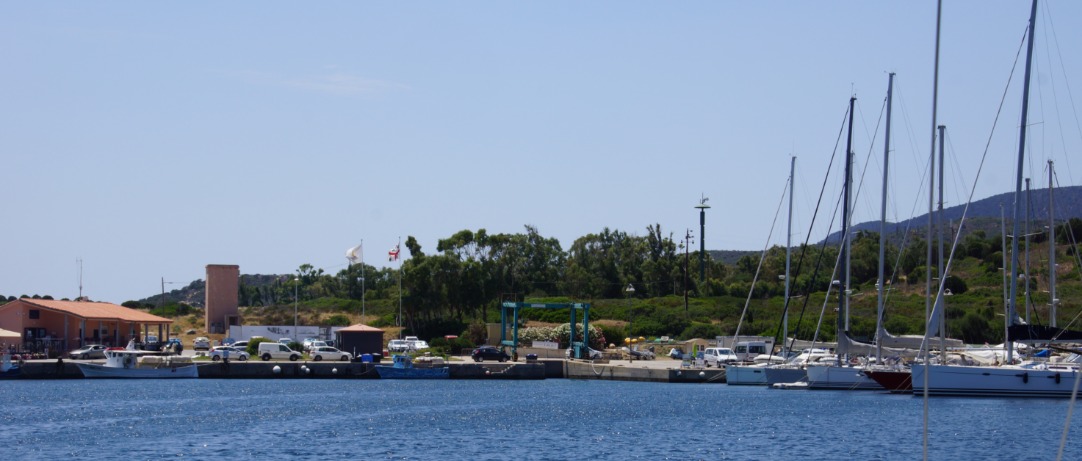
[540, 369]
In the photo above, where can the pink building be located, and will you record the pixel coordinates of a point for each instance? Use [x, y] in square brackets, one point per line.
[65, 325]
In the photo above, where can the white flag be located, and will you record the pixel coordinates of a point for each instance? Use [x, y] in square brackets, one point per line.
[354, 254]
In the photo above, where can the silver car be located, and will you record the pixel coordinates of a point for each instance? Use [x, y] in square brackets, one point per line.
[329, 353]
[220, 352]
[90, 351]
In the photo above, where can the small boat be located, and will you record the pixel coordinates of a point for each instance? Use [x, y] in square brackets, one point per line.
[131, 363]
[8, 370]
[403, 369]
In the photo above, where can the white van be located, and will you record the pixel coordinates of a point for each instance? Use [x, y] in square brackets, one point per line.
[719, 356]
[277, 351]
[748, 350]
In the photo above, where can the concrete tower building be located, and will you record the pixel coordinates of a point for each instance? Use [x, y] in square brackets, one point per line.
[223, 284]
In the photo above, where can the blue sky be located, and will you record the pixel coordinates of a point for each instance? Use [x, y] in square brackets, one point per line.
[150, 139]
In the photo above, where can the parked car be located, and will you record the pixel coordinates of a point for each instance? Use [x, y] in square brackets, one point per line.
[285, 341]
[269, 351]
[329, 353]
[593, 354]
[173, 345]
[489, 353]
[637, 354]
[201, 343]
[242, 345]
[415, 343]
[220, 353]
[315, 345]
[398, 345]
[151, 344]
[90, 351]
[719, 356]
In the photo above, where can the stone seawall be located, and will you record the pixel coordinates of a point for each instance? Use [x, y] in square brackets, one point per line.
[541, 369]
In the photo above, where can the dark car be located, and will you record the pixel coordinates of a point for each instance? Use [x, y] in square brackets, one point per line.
[489, 353]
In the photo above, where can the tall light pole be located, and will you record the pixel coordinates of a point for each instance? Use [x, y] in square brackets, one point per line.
[630, 290]
[296, 284]
[702, 206]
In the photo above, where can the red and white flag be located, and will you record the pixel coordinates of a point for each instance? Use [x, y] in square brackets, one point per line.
[393, 254]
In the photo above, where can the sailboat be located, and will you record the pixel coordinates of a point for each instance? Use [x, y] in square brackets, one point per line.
[1030, 378]
[843, 374]
[755, 374]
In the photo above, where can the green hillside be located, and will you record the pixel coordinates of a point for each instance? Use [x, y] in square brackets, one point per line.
[463, 282]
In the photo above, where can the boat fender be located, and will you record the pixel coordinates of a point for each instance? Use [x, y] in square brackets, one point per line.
[127, 362]
[1057, 378]
[1025, 377]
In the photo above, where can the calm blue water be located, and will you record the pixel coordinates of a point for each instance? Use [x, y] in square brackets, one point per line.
[496, 420]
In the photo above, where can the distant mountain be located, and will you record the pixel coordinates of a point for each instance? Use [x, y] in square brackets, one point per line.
[730, 257]
[985, 214]
[195, 294]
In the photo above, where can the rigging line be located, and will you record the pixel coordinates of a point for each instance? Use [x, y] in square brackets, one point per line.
[957, 171]
[770, 235]
[965, 211]
[868, 159]
[1055, 98]
[1067, 83]
[830, 282]
[1073, 244]
[807, 237]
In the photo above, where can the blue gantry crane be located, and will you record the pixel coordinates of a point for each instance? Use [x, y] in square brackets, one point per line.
[579, 348]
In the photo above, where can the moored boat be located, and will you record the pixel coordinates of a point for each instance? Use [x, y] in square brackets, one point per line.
[130, 363]
[9, 370]
[897, 381]
[403, 369]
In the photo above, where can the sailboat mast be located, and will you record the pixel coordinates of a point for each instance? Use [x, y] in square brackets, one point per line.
[1051, 248]
[788, 255]
[843, 287]
[1029, 216]
[1018, 180]
[883, 228]
[931, 166]
[941, 266]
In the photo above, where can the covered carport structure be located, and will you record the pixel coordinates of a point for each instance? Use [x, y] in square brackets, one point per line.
[50, 325]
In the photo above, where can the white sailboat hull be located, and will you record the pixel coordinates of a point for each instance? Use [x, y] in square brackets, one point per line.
[785, 374]
[993, 381]
[840, 377]
[745, 375]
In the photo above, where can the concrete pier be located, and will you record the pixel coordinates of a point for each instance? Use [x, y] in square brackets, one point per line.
[666, 371]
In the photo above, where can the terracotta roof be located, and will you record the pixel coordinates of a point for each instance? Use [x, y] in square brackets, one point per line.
[359, 327]
[95, 310]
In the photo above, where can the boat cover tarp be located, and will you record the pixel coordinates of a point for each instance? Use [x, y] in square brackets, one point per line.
[1042, 334]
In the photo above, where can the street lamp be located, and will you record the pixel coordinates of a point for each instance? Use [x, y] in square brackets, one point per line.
[702, 206]
[296, 283]
[630, 290]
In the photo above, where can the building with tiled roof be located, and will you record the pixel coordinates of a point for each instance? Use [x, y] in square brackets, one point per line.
[66, 325]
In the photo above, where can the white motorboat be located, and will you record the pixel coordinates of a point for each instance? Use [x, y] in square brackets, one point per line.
[131, 363]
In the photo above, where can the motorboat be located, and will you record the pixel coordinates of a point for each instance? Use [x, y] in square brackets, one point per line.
[131, 363]
[9, 370]
[403, 368]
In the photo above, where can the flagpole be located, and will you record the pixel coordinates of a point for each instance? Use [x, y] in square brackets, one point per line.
[398, 248]
[362, 281]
